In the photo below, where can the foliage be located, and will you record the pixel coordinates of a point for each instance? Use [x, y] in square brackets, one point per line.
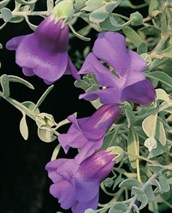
[143, 176]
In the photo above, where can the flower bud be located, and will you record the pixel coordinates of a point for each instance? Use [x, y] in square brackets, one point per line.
[136, 18]
[64, 9]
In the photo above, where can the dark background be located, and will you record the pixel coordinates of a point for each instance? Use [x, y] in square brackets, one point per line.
[24, 182]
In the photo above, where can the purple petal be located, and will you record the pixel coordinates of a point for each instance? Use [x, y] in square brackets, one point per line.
[103, 76]
[82, 206]
[14, 42]
[107, 96]
[27, 71]
[137, 63]
[65, 193]
[141, 92]
[88, 149]
[72, 70]
[111, 48]
[43, 62]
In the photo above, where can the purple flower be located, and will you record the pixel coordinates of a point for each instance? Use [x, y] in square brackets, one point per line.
[87, 133]
[76, 185]
[126, 82]
[44, 52]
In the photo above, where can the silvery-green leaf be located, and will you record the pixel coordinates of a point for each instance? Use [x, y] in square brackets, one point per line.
[16, 79]
[6, 14]
[161, 77]
[149, 193]
[165, 187]
[118, 207]
[98, 15]
[162, 95]
[4, 81]
[150, 143]
[32, 26]
[23, 127]
[93, 5]
[3, 3]
[26, 2]
[133, 148]
[132, 36]
[55, 152]
[161, 135]
[46, 134]
[128, 183]
[167, 52]
[149, 125]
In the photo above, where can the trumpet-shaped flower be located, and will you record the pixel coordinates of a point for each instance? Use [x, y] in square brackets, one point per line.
[87, 133]
[44, 52]
[76, 185]
[126, 81]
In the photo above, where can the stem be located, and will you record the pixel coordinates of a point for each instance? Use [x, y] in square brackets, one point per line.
[140, 157]
[143, 188]
[19, 106]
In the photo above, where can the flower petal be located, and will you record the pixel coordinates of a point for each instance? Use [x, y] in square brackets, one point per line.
[65, 193]
[107, 96]
[141, 92]
[111, 48]
[14, 42]
[103, 76]
[82, 206]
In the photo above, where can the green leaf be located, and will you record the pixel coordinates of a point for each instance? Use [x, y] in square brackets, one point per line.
[6, 14]
[55, 152]
[32, 26]
[3, 3]
[93, 5]
[149, 125]
[161, 77]
[162, 95]
[46, 134]
[151, 30]
[149, 193]
[4, 80]
[133, 147]
[158, 150]
[16, 79]
[153, 5]
[132, 36]
[98, 16]
[131, 118]
[109, 139]
[23, 127]
[165, 187]
[166, 53]
[43, 96]
[17, 19]
[26, 2]
[129, 183]
[119, 207]
[111, 24]
[150, 143]
[161, 135]
[30, 105]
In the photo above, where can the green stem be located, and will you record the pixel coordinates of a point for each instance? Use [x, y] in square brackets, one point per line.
[140, 157]
[19, 106]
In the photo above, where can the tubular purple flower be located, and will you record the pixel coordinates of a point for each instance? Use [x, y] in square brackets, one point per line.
[76, 185]
[44, 52]
[126, 82]
[87, 133]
